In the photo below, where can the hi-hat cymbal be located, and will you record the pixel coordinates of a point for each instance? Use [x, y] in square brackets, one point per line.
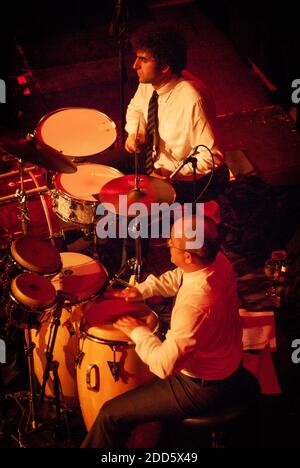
[39, 154]
[151, 190]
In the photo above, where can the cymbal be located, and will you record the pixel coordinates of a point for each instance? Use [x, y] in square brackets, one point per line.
[39, 154]
[151, 190]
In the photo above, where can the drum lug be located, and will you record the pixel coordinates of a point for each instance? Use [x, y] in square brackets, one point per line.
[96, 386]
[78, 358]
[115, 369]
[54, 196]
[114, 366]
[72, 217]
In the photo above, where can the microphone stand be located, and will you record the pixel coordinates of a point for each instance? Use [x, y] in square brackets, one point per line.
[190, 159]
[117, 28]
[61, 429]
[193, 160]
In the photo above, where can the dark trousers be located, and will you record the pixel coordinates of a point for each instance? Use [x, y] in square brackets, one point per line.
[124, 162]
[171, 399]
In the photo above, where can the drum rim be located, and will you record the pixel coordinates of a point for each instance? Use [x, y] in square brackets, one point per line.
[80, 200]
[83, 330]
[32, 308]
[84, 333]
[38, 133]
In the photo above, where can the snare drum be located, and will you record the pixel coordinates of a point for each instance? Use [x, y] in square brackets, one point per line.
[31, 297]
[85, 278]
[107, 362]
[77, 132]
[33, 254]
[75, 197]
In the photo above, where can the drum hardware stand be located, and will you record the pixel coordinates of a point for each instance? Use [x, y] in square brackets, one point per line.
[61, 429]
[22, 199]
[17, 431]
[136, 262]
[32, 389]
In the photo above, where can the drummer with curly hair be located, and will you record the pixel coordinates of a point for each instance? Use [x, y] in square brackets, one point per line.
[169, 116]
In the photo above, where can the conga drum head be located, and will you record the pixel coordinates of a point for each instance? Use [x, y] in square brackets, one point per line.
[81, 276]
[77, 132]
[36, 255]
[99, 316]
[33, 291]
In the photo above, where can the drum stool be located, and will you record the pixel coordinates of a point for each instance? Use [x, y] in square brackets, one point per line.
[220, 422]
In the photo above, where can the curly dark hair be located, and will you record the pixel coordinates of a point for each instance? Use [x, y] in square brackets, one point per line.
[165, 42]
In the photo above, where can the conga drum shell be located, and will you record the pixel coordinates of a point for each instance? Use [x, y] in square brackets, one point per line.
[108, 364]
[33, 291]
[36, 255]
[83, 277]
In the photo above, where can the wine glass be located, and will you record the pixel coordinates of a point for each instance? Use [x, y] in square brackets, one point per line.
[272, 270]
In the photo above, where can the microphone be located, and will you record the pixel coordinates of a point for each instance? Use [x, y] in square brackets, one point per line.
[115, 23]
[188, 159]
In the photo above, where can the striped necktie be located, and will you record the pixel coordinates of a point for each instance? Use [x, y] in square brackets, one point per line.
[152, 133]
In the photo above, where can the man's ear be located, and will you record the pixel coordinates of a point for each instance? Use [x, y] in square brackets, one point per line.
[188, 257]
[165, 69]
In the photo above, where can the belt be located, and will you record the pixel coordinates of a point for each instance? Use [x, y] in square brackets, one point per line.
[209, 383]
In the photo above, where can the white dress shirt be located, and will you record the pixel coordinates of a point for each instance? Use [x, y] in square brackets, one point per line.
[205, 335]
[186, 115]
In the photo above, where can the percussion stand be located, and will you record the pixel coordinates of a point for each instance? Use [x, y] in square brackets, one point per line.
[29, 347]
[136, 194]
[61, 426]
[22, 199]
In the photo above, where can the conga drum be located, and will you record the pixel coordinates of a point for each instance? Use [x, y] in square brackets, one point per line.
[107, 362]
[84, 278]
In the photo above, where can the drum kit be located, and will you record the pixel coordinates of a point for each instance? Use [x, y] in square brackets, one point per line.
[73, 351]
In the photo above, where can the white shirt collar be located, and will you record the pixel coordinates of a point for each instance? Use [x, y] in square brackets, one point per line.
[166, 90]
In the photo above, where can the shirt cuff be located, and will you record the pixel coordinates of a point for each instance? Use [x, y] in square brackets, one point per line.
[139, 333]
[145, 290]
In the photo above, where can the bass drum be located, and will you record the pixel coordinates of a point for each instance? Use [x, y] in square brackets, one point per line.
[84, 278]
[77, 132]
[107, 362]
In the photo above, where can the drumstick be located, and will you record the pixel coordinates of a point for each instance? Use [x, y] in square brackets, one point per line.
[137, 129]
[119, 280]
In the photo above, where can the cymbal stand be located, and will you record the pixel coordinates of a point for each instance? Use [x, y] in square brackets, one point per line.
[61, 427]
[16, 431]
[32, 389]
[22, 199]
[136, 262]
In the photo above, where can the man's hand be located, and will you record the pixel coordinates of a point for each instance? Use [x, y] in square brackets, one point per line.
[127, 324]
[129, 294]
[157, 175]
[135, 143]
